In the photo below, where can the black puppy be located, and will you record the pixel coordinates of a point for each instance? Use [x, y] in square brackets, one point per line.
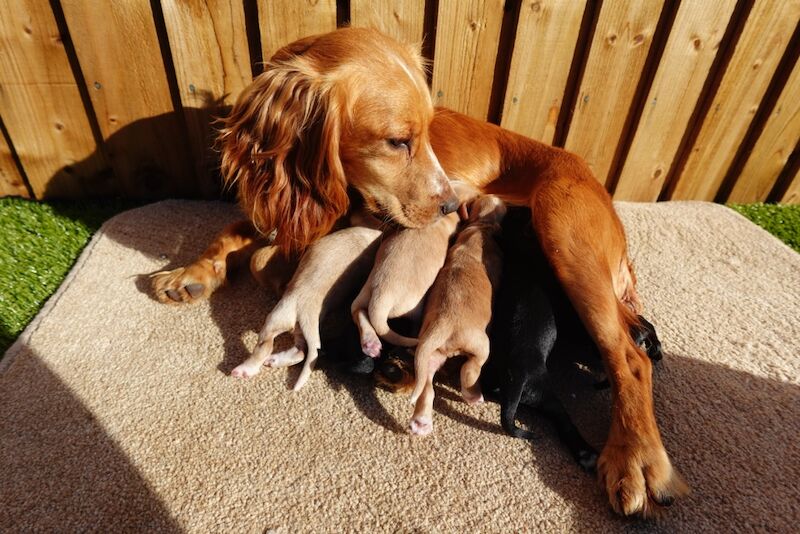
[533, 321]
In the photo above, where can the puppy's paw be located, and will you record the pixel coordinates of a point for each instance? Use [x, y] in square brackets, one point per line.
[371, 345]
[639, 480]
[421, 426]
[245, 370]
[187, 284]
[287, 358]
[587, 459]
[472, 397]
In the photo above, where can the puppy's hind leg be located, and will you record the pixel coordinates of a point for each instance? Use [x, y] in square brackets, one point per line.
[310, 329]
[551, 408]
[370, 342]
[290, 356]
[511, 396]
[280, 320]
[422, 397]
[471, 370]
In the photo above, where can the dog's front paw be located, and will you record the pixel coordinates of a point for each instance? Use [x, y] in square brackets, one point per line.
[639, 480]
[187, 284]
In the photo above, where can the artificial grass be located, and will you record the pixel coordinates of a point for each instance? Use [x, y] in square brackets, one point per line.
[40, 242]
[781, 221]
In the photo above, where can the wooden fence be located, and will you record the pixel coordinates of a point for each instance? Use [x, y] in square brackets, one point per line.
[665, 99]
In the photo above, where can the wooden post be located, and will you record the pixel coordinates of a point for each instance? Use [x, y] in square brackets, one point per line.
[41, 105]
[682, 72]
[467, 38]
[212, 65]
[547, 35]
[763, 40]
[619, 49]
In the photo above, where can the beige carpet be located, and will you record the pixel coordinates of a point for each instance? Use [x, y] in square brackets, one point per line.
[117, 414]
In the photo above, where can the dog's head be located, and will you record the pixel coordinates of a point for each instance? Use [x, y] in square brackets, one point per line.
[347, 108]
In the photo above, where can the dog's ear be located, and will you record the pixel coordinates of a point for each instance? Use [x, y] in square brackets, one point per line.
[280, 147]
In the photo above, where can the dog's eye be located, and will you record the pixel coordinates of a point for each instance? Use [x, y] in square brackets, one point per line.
[399, 143]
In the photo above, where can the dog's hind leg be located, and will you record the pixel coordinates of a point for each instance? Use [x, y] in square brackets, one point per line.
[280, 320]
[309, 326]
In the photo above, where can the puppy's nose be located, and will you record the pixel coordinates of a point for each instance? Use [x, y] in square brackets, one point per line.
[450, 205]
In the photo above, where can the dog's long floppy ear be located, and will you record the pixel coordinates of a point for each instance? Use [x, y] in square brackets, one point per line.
[280, 147]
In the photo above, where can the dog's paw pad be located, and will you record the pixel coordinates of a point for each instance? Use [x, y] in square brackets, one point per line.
[185, 284]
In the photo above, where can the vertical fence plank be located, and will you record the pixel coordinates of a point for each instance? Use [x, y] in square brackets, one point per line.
[402, 19]
[11, 182]
[40, 102]
[285, 21]
[212, 65]
[119, 54]
[618, 52]
[755, 58]
[792, 194]
[467, 38]
[547, 35]
[682, 72]
[774, 146]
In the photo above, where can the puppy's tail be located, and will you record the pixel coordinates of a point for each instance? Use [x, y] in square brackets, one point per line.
[381, 326]
[509, 407]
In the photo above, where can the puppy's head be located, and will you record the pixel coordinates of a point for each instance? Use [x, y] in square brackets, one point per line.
[486, 208]
[347, 108]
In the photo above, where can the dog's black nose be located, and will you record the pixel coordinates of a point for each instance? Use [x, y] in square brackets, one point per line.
[449, 206]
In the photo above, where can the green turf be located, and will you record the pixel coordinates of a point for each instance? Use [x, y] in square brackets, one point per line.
[781, 221]
[39, 242]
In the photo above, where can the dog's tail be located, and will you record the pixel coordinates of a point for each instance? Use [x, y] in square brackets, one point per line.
[509, 407]
[381, 326]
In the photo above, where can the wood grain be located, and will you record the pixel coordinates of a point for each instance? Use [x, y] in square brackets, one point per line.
[285, 21]
[212, 65]
[773, 147]
[792, 194]
[682, 72]
[119, 54]
[755, 58]
[41, 105]
[617, 56]
[466, 49]
[401, 19]
[11, 182]
[547, 34]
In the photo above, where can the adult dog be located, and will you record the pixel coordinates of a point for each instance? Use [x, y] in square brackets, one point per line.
[350, 111]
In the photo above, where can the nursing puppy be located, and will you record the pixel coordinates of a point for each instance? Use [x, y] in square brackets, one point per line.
[533, 323]
[459, 309]
[330, 271]
[406, 266]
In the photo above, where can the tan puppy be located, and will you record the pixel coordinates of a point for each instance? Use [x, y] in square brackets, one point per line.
[406, 265]
[329, 272]
[459, 309]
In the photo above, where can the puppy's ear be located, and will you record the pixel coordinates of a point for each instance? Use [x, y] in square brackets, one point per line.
[280, 146]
